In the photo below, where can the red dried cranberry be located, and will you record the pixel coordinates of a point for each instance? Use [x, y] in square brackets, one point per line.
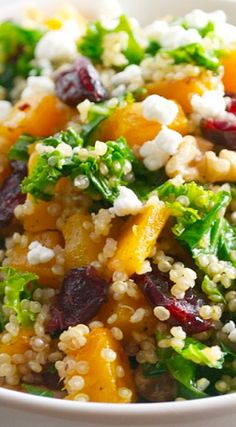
[81, 81]
[222, 132]
[82, 294]
[10, 193]
[183, 312]
[231, 107]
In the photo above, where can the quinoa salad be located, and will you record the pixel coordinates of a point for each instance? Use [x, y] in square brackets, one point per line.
[118, 206]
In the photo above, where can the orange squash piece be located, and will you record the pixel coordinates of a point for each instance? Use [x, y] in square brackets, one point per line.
[37, 116]
[102, 383]
[19, 344]
[18, 258]
[229, 64]
[41, 219]
[130, 123]
[124, 308]
[182, 90]
[80, 249]
[138, 238]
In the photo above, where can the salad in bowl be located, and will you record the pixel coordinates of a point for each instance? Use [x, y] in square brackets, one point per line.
[118, 207]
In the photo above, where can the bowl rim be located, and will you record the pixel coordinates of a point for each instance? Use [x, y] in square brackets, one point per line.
[202, 408]
[105, 412]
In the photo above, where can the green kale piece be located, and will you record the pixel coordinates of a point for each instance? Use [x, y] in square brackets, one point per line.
[17, 46]
[91, 44]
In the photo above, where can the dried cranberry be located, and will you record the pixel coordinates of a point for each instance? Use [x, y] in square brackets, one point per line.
[10, 193]
[222, 132]
[50, 379]
[82, 294]
[231, 107]
[184, 312]
[81, 81]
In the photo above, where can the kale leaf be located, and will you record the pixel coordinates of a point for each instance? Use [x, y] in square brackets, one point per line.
[51, 166]
[91, 44]
[17, 45]
[19, 151]
[196, 54]
[15, 287]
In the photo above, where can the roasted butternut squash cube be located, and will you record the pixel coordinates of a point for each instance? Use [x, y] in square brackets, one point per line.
[182, 90]
[39, 116]
[118, 314]
[18, 258]
[138, 238]
[105, 359]
[229, 64]
[130, 123]
[19, 344]
[80, 248]
[43, 217]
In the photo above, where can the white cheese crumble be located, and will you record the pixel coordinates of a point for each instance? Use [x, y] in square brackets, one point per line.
[39, 254]
[197, 18]
[157, 152]
[177, 36]
[211, 104]
[56, 46]
[127, 203]
[129, 80]
[125, 77]
[5, 108]
[38, 85]
[172, 36]
[159, 109]
[227, 33]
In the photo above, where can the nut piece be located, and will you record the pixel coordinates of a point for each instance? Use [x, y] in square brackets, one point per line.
[215, 168]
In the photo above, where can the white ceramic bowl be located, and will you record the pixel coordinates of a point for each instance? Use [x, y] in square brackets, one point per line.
[22, 410]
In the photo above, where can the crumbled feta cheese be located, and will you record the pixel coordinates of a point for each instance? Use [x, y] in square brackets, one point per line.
[156, 153]
[154, 30]
[199, 19]
[172, 36]
[159, 109]
[39, 254]
[227, 33]
[125, 77]
[56, 46]
[127, 203]
[65, 149]
[211, 104]
[5, 108]
[40, 85]
[169, 140]
[177, 36]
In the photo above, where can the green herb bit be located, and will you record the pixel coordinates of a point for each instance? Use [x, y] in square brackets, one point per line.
[17, 46]
[15, 287]
[196, 54]
[19, 151]
[37, 391]
[91, 44]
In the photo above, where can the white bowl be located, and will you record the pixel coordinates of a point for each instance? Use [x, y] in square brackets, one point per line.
[22, 410]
